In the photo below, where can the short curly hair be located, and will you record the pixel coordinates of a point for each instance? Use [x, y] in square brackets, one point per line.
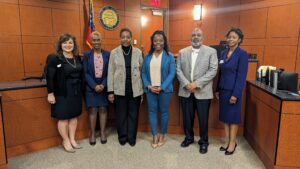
[238, 31]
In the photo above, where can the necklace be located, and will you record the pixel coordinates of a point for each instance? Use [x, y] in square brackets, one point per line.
[73, 65]
[126, 54]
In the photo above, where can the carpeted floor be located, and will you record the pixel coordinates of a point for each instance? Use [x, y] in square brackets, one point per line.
[142, 156]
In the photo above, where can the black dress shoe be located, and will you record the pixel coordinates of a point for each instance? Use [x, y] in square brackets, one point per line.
[122, 143]
[186, 143]
[223, 149]
[92, 143]
[132, 144]
[230, 152]
[103, 141]
[203, 149]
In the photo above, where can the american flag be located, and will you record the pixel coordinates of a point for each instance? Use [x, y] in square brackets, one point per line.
[91, 27]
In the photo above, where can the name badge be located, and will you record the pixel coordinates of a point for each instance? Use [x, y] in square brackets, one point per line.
[59, 65]
[221, 62]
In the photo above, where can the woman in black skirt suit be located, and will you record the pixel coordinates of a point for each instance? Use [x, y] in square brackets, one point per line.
[64, 84]
[95, 63]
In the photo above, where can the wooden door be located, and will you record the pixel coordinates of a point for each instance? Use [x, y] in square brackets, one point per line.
[151, 24]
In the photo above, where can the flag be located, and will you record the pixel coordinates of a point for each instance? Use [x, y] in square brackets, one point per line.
[91, 26]
[155, 3]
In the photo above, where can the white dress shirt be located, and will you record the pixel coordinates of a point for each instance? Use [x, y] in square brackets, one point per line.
[194, 56]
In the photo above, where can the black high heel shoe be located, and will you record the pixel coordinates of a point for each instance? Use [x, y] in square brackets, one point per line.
[223, 149]
[103, 141]
[230, 152]
[92, 143]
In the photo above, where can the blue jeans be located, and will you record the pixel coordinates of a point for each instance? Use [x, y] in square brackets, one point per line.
[161, 101]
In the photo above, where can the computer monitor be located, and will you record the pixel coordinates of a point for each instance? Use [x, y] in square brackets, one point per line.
[219, 49]
[288, 81]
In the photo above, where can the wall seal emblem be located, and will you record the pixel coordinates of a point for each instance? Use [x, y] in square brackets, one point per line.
[109, 18]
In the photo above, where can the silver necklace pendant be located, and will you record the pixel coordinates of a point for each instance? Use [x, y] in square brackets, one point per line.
[73, 65]
[126, 54]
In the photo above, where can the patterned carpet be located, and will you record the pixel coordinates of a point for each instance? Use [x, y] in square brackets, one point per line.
[142, 156]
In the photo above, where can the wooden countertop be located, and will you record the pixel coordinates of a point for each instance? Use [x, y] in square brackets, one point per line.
[280, 94]
[24, 84]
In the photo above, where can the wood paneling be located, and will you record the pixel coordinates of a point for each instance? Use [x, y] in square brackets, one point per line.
[63, 4]
[209, 23]
[272, 101]
[29, 109]
[117, 4]
[132, 5]
[23, 94]
[35, 56]
[9, 19]
[289, 140]
[11, 65]
[225, 21]
[290, 107]
[249, 1]
[284, 21]
[9, 1]
[252, 67]
[65, 21]
[281, 57]
[262, 123]
[36, 21]
[153, 23]
[135, 27]
[254, 23]
[30, 116]
[181, 10]
[3, 160]
[228, 3]
[174, 117]
[273, 133]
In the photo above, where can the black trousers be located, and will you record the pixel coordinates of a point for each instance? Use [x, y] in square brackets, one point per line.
[189, 106]
[127, 115]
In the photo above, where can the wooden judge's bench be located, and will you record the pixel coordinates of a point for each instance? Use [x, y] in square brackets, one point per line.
[272, 125]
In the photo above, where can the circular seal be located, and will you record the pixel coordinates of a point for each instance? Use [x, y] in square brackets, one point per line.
[109, 18]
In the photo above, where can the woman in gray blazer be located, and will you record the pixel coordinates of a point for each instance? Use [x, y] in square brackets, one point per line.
[124, 85]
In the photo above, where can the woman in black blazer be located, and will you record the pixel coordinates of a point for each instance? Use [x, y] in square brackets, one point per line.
[95, 63]
[64, 83]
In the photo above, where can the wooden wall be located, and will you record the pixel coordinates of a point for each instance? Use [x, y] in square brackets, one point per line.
[29, 29]
[3, 158]
[271, 27]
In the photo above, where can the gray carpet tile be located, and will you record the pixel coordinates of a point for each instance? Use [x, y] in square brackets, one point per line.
[142, 156]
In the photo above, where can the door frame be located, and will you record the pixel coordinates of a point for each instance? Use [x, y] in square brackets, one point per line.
[165, 21]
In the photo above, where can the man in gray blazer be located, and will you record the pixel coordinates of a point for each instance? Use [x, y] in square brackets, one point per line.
[196, 67]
